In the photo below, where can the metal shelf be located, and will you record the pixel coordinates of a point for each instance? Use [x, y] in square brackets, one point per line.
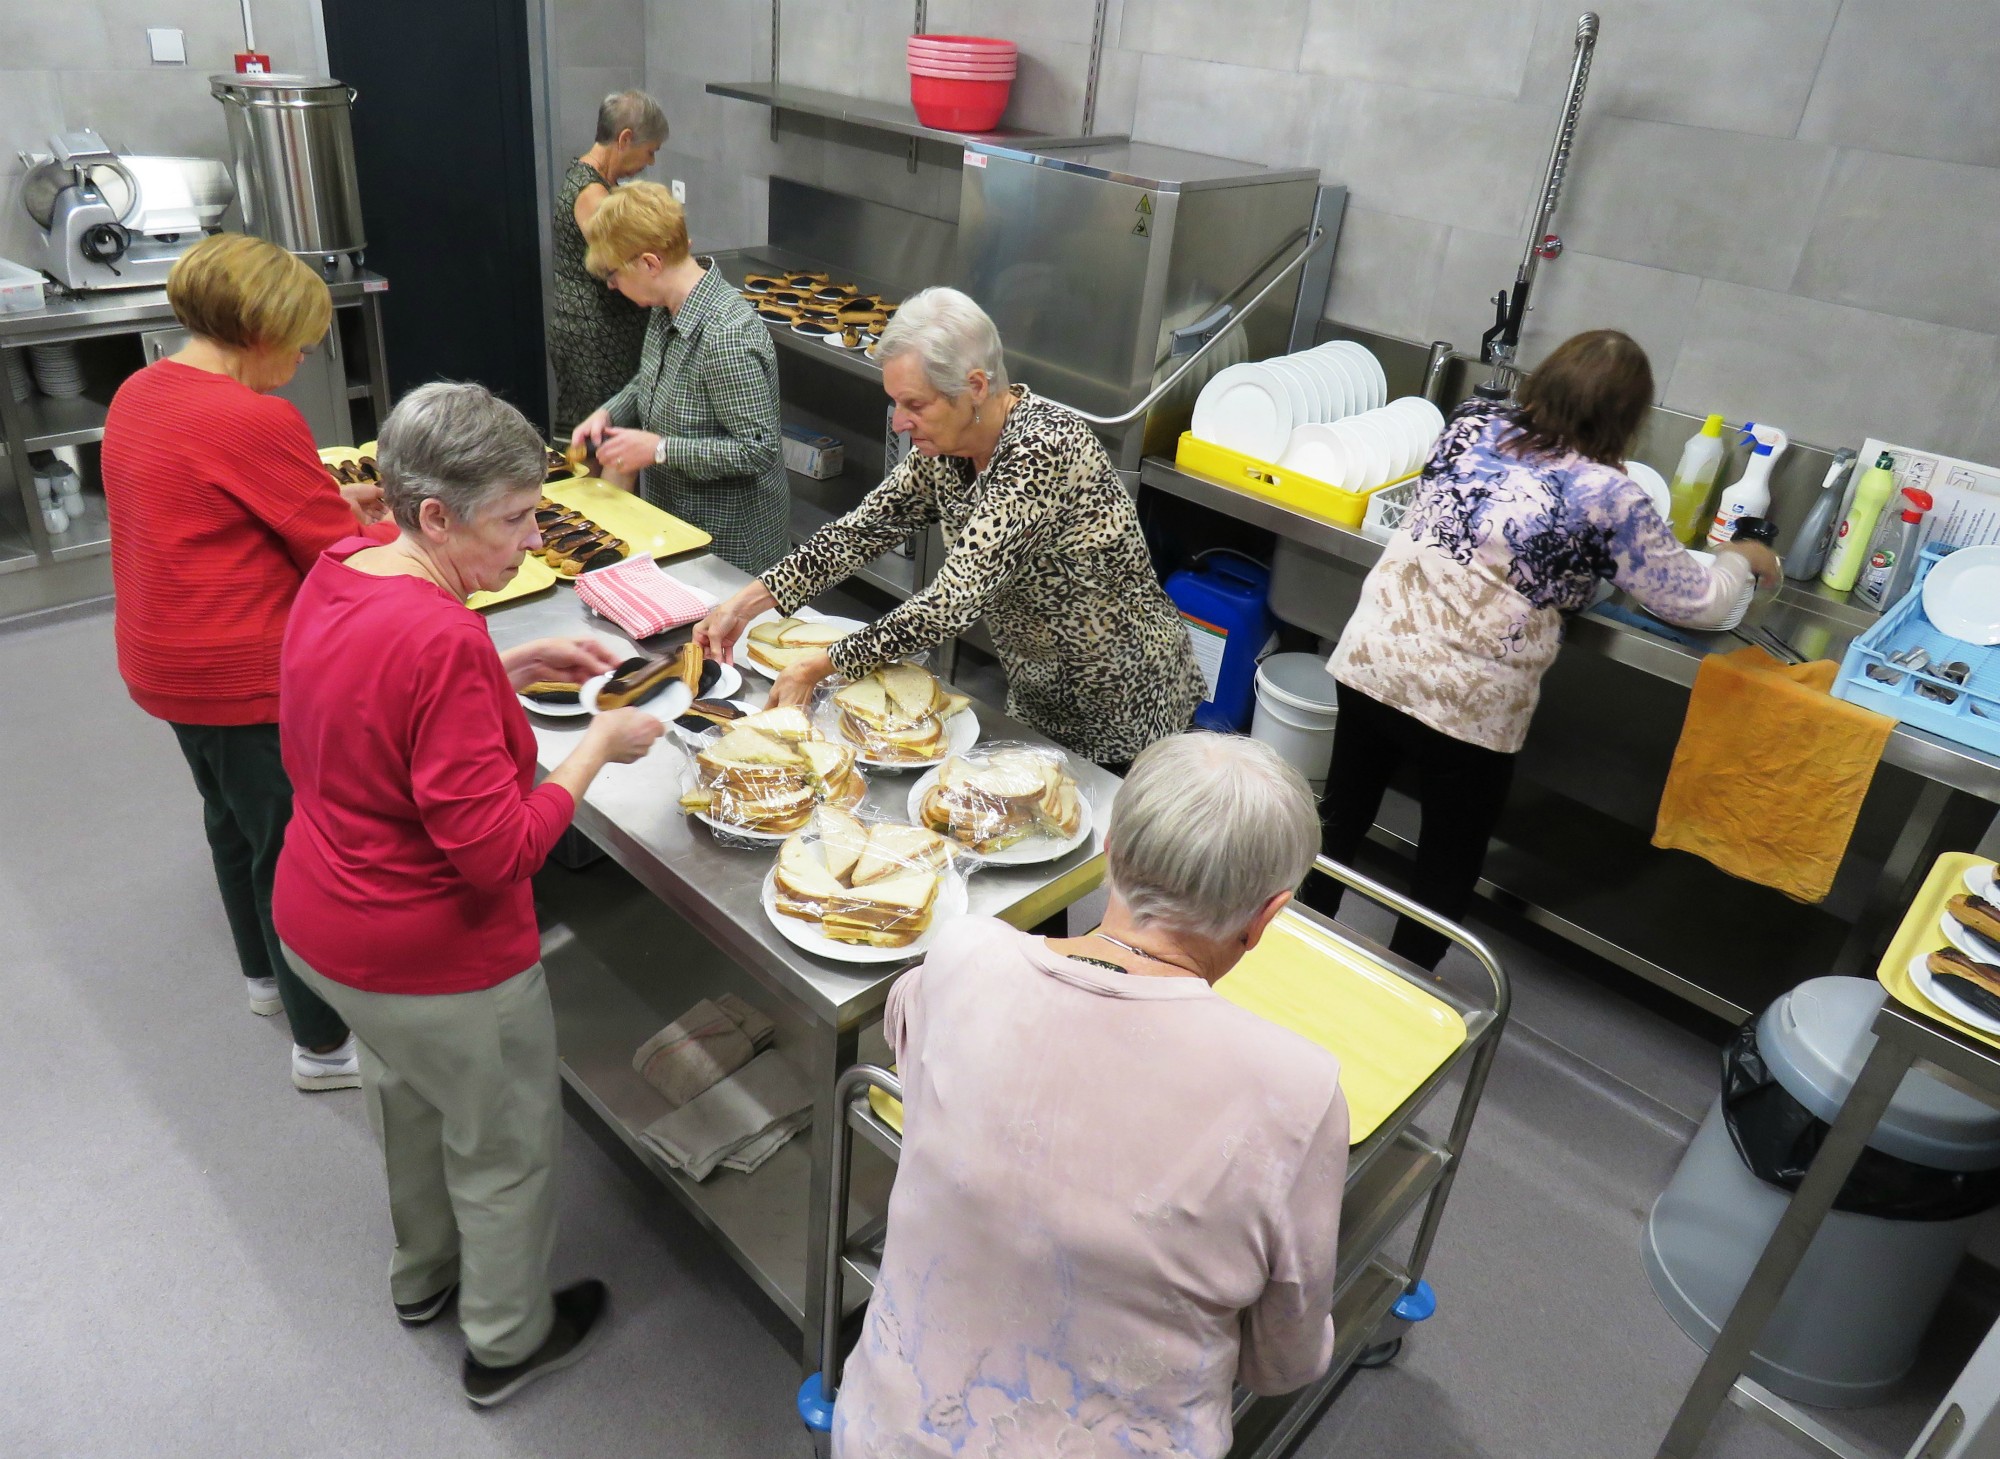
[888, 116]
[808, 518]
[72, 420]
[358, 390]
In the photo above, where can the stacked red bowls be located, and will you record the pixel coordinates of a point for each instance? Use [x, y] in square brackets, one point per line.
[960, 83]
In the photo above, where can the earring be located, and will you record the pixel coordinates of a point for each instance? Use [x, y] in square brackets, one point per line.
[975, 415]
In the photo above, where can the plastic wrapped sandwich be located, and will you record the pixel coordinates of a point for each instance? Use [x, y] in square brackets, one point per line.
[1002, 797]
[764, 775]
[868, 884]
[898, 715]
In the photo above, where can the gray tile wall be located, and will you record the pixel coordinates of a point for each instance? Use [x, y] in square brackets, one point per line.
[66, 64]
[1793, 204]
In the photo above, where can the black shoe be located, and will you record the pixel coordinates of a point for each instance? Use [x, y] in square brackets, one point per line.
[578, 1309]
[416, 1314]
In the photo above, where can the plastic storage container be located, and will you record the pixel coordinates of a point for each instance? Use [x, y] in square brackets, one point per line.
[1222, 599]
[1850, 1322]
[1296, 711]
[20, 288]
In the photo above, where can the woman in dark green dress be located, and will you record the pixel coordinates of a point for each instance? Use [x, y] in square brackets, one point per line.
[595, 333]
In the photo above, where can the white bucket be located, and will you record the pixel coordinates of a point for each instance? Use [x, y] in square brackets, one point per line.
[1295, 713]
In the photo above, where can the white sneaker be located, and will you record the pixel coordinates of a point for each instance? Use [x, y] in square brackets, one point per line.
[338, 1069]
[264, 997]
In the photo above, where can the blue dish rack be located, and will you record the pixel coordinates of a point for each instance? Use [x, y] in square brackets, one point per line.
[1972, 718]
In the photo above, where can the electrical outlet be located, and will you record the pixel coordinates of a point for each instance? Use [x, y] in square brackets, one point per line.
[680, 190]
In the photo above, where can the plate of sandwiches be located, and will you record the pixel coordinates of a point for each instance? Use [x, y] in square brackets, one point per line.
[643, 678]
[901, 718]
[861, 893]
[764, 775]
[1012, 808]
[773, 642]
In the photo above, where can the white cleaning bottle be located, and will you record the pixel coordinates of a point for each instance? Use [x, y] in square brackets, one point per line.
[1751, 494]
[1694, 481]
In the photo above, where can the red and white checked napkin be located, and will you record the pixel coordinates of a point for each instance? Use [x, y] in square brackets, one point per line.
[641, 599]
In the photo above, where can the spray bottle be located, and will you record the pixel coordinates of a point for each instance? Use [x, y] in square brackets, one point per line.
[1694, 481]
[1751, 494]
[1894, 547]
[1822, 519]
[1850, 548]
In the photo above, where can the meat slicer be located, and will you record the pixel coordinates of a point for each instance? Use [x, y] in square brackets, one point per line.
[118, 222]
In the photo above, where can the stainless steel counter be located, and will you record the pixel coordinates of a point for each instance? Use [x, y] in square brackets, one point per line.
[632, 812]
[120, 311]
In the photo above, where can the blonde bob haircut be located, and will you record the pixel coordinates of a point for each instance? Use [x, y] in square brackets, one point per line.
[640, 217]
[248, 293]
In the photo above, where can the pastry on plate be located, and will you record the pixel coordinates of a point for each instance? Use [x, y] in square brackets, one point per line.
[638, 679]
[1976, 914]
[1977, 983]
[550, 691]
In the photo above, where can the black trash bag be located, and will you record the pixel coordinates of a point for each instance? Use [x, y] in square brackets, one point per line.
[1778, 1138]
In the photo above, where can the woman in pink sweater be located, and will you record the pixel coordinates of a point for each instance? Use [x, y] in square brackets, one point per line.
[1119, 1194]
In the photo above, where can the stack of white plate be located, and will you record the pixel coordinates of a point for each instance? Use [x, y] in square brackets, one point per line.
[1254, 408]
[1362, 452]
[18, 383]
[58, 371]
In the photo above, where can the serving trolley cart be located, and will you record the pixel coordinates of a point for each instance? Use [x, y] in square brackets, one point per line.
[1394, 1168]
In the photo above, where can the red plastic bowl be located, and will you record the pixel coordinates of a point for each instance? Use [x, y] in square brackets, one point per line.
[954, 104]
[962, 73]
[983, 45]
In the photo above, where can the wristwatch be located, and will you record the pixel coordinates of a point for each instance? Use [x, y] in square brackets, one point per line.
[660, 452]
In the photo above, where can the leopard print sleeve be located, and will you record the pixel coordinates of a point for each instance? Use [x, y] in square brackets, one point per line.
[1007, 528]
[903, 502]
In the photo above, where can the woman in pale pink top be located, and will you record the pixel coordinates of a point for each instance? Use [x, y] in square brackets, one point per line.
[1119, 1194]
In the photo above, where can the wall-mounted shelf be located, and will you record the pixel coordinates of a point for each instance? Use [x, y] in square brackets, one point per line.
[885, 116]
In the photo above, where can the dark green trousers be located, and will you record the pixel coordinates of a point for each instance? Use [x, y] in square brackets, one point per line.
[246, 800]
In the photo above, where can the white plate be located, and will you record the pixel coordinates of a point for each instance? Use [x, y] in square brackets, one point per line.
[1347, 372]
[1654, 485]
[675, 694]
[951, 904]
[1036, 848]
[1321, 452]
[1962, 595]
[1945, 999]
[1301, 395]
[961, 733]
[1374, 456]
[1966, 940]
[1333, 380]
[555, 711]
[771, 615]
[1979, 881]
[1247, 409]
[1370, 369]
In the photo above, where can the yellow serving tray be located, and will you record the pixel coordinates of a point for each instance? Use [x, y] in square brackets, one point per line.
[627, 515]
[1389, 1034]
[1277, 484]
[1919, 934]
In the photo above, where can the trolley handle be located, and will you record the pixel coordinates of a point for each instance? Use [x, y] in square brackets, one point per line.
[816, 1397]
[1503, 990]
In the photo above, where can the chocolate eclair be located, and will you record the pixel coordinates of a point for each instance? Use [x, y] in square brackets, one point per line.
[1977, 983]
[1975, 914]
[638, 679]
[550, 691]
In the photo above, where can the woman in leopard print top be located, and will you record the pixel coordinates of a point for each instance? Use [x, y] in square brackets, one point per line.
[1043, 543]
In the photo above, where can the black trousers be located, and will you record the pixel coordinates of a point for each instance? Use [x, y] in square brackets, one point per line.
[1460, 789]
[246, 801]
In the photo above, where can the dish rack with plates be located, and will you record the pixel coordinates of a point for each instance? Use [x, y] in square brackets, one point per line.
[1870, 675]
[1282, 485]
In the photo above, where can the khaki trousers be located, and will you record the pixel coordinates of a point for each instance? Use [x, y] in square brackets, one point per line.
[464, 1096]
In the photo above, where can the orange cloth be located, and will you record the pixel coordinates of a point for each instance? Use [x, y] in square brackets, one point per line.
[1770, 772]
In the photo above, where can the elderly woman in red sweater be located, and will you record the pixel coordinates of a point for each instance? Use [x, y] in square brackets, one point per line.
[403, 895]
[218, 506]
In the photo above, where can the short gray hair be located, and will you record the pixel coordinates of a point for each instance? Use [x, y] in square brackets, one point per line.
[458, 443]
[632, 111]
[1206, 829]
[953, 337]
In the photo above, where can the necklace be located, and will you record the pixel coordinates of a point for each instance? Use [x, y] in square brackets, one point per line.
[1141, 952]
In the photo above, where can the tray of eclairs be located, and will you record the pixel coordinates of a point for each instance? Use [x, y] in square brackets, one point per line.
[863, 891]
[1945, 958]
[819, 307]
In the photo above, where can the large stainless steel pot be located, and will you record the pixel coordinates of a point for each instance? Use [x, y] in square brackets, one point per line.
[291, 145]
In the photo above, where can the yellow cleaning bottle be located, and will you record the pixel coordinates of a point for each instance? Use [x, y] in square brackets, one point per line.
[1694, 482]
[1850, 548]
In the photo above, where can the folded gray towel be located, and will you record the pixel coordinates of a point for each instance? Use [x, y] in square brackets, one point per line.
[756, 1027]
[702, 1046]
[748, 1157]
[767, 1093]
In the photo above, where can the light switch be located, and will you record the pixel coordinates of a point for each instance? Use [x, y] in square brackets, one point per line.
[680, 191]
[169, 46]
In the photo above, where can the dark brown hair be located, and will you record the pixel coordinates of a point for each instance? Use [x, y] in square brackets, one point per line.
[1590, 397]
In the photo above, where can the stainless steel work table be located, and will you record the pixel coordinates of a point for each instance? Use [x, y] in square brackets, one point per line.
[632, 812]
[1818, 622]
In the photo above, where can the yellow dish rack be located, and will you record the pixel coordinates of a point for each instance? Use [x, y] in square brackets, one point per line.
[1278, 484]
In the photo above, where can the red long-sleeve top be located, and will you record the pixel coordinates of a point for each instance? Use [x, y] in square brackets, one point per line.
[219, 506]
[416, 822]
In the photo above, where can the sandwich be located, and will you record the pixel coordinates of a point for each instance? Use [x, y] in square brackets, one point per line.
[897, 714]
[874, 886]
[993, 805]
[1975, 982]
[638, 679]
[1975, 914]
[777, 644]
[757, 777]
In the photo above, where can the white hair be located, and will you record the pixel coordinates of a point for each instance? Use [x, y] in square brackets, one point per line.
[1206, 829]
[634, 112]
[459, 443]
[951, 335]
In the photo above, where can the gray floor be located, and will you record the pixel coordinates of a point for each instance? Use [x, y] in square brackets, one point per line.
[192, 1254]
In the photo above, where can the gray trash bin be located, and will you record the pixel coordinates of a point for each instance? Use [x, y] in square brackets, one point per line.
[1850, 1322]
